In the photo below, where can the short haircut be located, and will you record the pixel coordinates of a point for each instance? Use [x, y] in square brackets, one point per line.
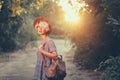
[38, 19]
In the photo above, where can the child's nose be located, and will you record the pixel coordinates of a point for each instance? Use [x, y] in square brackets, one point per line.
[39, 28]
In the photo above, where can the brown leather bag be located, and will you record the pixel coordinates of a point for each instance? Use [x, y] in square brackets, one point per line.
[61, 67]
[51, 70]
[57, 69]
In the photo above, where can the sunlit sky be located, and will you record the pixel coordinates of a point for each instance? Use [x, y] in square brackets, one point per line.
[71, 9]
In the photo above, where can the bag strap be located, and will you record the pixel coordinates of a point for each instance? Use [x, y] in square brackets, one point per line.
[43, 57]
[44, 62]
[60, 57]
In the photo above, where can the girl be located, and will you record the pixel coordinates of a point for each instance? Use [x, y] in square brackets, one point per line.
[46, 48]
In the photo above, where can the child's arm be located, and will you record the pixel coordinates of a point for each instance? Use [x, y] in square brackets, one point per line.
[52, 54]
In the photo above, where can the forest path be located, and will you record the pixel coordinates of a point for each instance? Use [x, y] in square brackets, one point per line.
[20, 65]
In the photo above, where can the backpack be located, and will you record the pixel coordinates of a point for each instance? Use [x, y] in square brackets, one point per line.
[61, 68]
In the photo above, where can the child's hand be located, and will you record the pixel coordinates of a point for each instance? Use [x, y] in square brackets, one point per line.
[41, 48]
[55, 58]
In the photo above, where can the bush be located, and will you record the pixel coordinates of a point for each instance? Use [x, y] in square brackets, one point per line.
[26, 32]
[16, 32]
[8, 31]
[111, 68]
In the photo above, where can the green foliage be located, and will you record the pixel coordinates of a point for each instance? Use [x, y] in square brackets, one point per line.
[92, 47]
[8, 32]
[16, 21]
[26, 32]
[97, 37]
[15, 32]
[111, 68]
[8, 28]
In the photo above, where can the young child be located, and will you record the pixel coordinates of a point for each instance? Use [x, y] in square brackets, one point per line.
[46, 48]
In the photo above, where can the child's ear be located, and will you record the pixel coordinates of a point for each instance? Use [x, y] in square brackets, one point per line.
[36, 26]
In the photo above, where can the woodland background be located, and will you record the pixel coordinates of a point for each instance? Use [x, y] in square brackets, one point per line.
[96, 36]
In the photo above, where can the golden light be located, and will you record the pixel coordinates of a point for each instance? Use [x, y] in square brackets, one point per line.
[71, 9]
[0, 5]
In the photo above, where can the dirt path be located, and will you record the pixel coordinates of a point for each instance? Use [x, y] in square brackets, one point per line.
[76, 72]
[20, 64]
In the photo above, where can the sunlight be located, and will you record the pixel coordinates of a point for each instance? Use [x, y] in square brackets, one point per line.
[70, 14]
[71, 9]
[1, 5]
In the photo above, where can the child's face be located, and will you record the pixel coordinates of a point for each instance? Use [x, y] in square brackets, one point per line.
[41, 29]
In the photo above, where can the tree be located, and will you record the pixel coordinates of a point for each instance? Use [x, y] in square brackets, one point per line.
[97, 37]
[13, 34]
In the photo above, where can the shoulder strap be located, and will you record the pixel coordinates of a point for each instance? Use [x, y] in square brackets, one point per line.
[44, 62]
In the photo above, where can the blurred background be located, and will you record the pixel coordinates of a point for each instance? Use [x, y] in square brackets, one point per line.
[93, 26]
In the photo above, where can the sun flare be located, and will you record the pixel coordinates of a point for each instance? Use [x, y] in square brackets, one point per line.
[71, 9]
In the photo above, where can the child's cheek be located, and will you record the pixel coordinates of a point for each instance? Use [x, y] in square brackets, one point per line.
[44, 30]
